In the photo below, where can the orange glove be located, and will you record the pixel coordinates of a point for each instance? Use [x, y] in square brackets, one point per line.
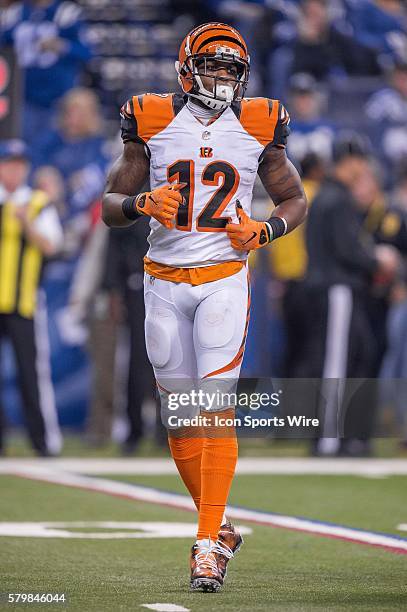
[161, 203]
[248, 234]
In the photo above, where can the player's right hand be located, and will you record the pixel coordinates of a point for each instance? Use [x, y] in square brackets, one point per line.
[161, 203]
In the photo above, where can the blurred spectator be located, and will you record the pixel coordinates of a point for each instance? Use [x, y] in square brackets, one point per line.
[386, 111]
[380, 25]
[30, 232]
[390, 103]
[107, 294]
[124, 275]
[201, 11]
[383, 217]
[77, 149]
[387, 225]
[394, 368]
[321, 48]
[47, 38]
[342, 262]
[310, 133]
[96, 313]
[49, 180]
[388, 305]
[399, 193]
[289, 264]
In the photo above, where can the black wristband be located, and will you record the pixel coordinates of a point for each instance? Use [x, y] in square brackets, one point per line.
[129, 208]
[278, 227]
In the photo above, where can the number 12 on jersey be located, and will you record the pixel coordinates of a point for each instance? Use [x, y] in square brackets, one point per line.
[219, 174]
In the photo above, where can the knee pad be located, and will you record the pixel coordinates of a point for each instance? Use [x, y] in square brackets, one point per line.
[216, 322]
[162, 340]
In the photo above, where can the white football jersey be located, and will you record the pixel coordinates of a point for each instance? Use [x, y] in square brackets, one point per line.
[218, 164]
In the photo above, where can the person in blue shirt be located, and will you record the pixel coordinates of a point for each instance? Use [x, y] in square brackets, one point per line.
[47, 36]
[386, 114]
[311, 132]
[76, 148]
[380, 25]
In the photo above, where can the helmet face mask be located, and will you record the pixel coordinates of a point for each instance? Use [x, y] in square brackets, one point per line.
[219, 90]
[198, 72]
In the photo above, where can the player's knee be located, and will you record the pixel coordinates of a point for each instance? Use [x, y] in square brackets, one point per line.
[161, 332]
[216, 324]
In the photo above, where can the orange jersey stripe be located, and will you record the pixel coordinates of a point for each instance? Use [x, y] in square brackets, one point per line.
[153, 113]
[259, 117]
[192, 276]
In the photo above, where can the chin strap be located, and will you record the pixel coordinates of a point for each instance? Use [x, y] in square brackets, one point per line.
[216, 105]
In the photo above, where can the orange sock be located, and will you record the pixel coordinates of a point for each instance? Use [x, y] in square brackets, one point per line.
[187, 453]
[219, 457]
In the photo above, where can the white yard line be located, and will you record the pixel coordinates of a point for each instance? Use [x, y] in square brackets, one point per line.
[165, 607]
[150, 495]
[369, 468]
[114, 530]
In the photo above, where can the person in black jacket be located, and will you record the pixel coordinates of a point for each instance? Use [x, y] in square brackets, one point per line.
[342, 263]
[124, 273]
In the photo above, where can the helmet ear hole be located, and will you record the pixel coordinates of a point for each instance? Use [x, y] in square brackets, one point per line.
[180, 69]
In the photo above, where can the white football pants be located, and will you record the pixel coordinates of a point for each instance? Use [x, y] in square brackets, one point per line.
[195, 335]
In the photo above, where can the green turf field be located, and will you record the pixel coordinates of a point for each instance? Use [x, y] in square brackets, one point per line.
[276, 570]
[78, 446]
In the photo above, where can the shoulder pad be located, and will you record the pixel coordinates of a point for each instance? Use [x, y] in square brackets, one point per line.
[266, 120]
[153, 112]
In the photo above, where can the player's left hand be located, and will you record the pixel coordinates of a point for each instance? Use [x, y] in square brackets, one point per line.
[248, 234]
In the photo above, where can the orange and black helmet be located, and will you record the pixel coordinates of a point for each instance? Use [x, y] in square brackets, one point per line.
[217, 41]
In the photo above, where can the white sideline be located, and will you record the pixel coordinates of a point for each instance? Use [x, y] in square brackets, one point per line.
[150, 495]
[258, 465]
[165, 607]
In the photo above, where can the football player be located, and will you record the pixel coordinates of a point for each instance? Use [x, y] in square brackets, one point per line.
[201, 150]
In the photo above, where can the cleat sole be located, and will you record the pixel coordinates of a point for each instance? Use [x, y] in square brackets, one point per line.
[207, 585]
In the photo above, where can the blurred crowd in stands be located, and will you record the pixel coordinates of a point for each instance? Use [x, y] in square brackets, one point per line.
[339, 66]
